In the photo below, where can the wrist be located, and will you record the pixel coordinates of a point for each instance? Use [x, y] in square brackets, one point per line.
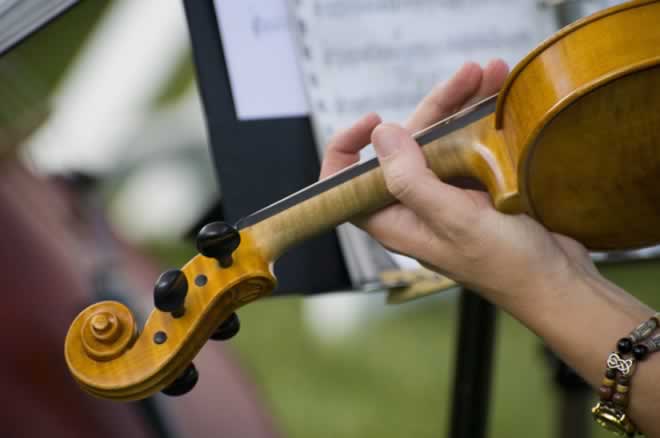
[541, 285]
[568, 301]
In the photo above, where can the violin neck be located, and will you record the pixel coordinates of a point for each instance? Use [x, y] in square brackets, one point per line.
[457, 147]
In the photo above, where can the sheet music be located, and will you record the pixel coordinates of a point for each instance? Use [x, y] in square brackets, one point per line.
[359, 56]
[260, 54]
[385, 55]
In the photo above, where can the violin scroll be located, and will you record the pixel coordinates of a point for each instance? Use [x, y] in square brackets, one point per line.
[109, 359]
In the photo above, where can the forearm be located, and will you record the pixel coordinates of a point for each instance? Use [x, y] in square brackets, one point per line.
[581, 317]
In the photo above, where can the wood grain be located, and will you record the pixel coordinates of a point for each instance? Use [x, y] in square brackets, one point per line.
[476, 150]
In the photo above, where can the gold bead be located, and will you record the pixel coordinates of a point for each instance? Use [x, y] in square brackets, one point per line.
[622, 388]
[608, 382]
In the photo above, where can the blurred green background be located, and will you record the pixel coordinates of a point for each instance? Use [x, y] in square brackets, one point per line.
[390, 378]
[393, 377]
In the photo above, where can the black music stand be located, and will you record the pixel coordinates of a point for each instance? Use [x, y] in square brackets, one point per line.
[260, 161]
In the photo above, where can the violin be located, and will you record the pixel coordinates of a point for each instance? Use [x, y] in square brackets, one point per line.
[572, 140]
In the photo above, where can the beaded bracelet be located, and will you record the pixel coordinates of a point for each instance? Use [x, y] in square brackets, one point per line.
[614, 392]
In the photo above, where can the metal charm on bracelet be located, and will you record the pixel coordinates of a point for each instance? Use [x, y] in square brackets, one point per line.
[614, 396]
[613, 419]
[618, 363]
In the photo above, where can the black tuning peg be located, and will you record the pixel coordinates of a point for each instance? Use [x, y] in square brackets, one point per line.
[218, 240]
[228, 329]
[184, 383]
[170, 292]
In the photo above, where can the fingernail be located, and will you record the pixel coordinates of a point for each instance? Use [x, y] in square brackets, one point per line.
[386, 142]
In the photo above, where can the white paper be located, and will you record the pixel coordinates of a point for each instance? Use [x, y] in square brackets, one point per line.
[260, 54]
[360, 56]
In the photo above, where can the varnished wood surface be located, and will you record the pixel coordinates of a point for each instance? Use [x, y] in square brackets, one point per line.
[564, 112]
[601, 185]
[575, 143]
[404, 286]
[476, 150]
[147, 367]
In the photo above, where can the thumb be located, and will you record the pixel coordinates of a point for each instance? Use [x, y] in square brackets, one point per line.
[404, 166]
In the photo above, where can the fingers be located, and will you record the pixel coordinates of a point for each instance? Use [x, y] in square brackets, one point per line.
[344, 148]
[469, 85]
[407, 176]
[447, 97]
[400, 230]
[494, 75]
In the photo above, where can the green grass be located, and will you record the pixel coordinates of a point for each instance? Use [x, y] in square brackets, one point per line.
[392, 377]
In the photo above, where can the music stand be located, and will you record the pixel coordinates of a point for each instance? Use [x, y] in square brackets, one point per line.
[258, 162]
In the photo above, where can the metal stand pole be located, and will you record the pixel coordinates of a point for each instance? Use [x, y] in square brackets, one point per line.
[474, 358]
[574, 403]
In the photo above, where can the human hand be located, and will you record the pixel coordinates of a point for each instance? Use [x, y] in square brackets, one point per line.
[454, 231]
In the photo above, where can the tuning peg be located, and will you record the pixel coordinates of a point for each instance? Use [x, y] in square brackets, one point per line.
[170, 292]
[184, 383]
[218, 240]
[228, 329]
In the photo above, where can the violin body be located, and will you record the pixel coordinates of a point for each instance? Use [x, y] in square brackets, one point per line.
[574, 143]
[587, 145]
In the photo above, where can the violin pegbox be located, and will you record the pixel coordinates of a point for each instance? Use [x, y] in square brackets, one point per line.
[109, 359]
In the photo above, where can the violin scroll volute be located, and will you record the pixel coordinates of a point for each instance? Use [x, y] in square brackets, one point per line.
[107, 330]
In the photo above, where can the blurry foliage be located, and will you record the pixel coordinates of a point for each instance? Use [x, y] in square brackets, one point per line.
[30, 71]
[47, 54]
[392, 377]
[44, 57]
[173, 253]
[179, 82]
